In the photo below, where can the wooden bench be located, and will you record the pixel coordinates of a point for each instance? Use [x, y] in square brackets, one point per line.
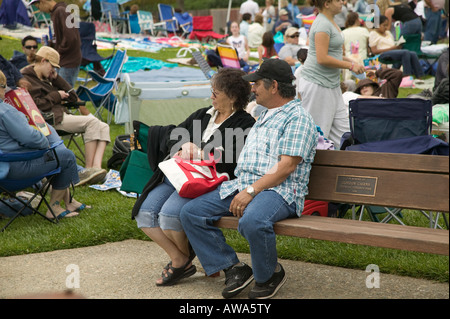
[417, 182]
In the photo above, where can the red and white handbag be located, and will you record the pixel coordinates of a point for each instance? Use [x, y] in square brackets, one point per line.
[192, 178]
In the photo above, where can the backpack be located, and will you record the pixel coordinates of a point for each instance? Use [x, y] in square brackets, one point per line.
[121, 149]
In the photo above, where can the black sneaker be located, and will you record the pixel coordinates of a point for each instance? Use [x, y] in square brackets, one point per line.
[269, 288]
[236, 279]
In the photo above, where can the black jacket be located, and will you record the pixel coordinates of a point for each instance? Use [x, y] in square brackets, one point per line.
[160, 144]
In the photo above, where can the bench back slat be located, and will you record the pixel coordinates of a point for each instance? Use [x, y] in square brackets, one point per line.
[399, 180]
[389, 161]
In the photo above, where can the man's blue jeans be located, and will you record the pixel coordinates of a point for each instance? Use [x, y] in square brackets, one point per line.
[409, 60]
[256, 225]
[432, 26]
[69, 74]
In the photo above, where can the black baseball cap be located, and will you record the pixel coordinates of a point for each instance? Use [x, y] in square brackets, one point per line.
[274, 69]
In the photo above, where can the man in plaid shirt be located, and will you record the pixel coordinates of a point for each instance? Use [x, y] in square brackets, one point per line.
[271, 184]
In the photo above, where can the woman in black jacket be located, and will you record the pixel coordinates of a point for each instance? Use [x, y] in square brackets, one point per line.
[204, 132]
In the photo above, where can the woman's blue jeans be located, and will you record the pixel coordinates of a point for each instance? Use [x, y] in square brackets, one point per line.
[47, 163]
[256, 225]
[162, 208]
[409, 60]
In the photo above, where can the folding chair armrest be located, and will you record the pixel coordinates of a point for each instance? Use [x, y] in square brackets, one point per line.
[57, 143]
[97, 77]
[74, 105]
[26, 156]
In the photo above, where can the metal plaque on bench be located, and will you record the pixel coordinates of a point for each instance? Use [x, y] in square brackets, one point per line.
[356, 185]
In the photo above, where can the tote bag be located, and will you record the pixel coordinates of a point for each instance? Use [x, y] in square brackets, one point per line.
[192, 178]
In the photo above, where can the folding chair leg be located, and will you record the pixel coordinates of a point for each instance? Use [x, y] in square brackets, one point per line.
[392, 215]
[41, 190]
[83, 156]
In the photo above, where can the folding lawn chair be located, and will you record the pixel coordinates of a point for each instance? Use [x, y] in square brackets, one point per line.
[185, 22]
[10, 186]
[101, 96]
[228, 56]
[89, 48]
[166, 14]
[111, 14]
[413, 43]
[202, 29]
[146, 23]
[39, 17]
[401, 125]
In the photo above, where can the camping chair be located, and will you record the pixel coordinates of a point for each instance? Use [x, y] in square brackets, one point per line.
[146, 23]
[10, 186]
[101, 96]
[39, 17]
[166, 14]
[185, 22]
[202, 28]
[401, 125]
[111, 14]
[413, 43]
[228, 56]
[89, 48]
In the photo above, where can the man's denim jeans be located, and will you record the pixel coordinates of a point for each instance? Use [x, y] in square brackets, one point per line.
[256, 225]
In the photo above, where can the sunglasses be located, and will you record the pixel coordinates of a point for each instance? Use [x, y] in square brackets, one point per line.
[294, 36]
[29, 47]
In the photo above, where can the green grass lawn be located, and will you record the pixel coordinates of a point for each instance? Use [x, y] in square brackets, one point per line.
[110, 220]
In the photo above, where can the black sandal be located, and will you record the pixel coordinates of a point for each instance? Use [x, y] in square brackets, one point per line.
[170, 278]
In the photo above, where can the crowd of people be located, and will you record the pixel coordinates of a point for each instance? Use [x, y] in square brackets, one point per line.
[268, 164]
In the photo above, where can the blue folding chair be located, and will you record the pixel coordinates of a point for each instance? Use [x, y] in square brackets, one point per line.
[166, 14]
[101, 96]
[185, 22]
[401, 125]
[10, 186]
[112, 15]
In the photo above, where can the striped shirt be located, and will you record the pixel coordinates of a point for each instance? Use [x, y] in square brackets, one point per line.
[289, 130]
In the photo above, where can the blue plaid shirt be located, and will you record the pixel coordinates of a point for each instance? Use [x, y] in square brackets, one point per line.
[290, 130]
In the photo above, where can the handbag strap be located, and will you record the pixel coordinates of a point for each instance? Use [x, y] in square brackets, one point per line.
[186, 166]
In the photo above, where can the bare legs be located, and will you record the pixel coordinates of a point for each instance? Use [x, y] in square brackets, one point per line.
[174, 243]
[94, 153]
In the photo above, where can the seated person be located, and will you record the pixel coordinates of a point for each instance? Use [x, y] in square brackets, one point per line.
[302, 54]
[50, 92]
[289, 51]
[283, 23]
[29, 48]
[157, 210]
[267, 47]
[383, 83]
[13, 77]
[237, 41]
[381, 41]
[16, 135]
[245, 24]
[256, 31]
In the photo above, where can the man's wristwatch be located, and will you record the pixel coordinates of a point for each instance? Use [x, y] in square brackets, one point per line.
[251, 191]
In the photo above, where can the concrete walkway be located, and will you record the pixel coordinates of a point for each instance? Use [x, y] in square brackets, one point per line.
[129, 269]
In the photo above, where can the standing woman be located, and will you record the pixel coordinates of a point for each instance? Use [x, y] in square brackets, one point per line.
[399, 11]
[319, 84]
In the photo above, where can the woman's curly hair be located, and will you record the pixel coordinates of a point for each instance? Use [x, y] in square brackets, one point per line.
[230, 82]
